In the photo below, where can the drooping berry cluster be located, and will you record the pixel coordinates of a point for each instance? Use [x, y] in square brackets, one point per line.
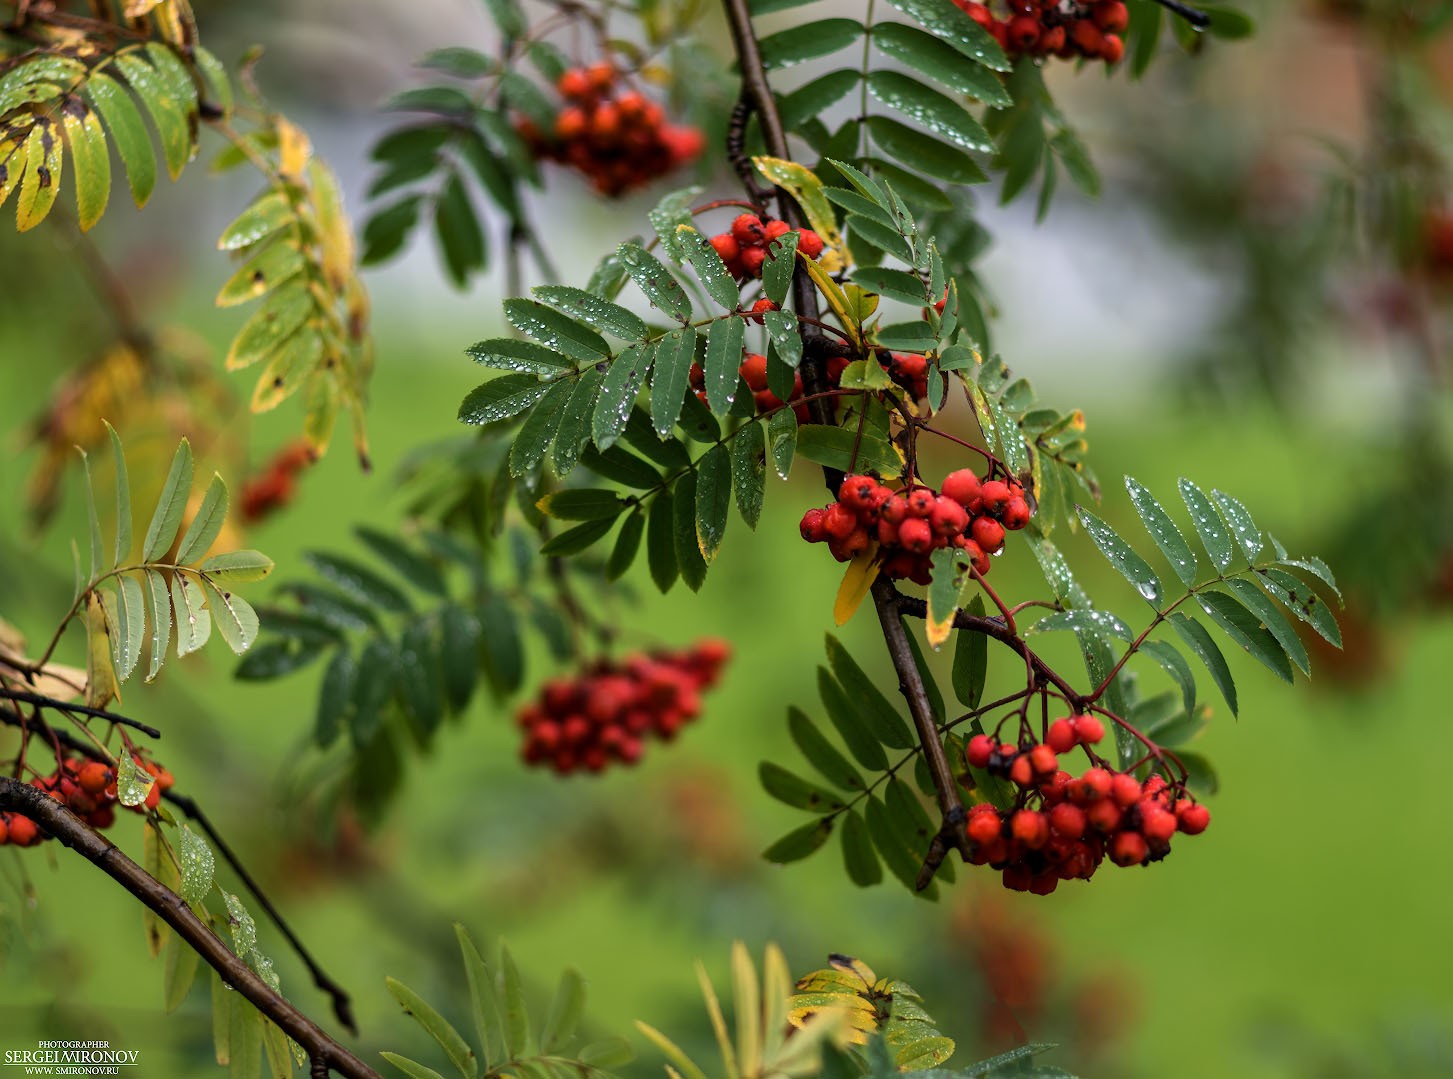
[605, 714]
[88, 789]
[1063, 28]
[1063, 827]
[744, 247]
[618, 138]
[273, 488]
[910, 524]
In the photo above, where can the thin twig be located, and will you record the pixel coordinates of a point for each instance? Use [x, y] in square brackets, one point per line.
[41, 701]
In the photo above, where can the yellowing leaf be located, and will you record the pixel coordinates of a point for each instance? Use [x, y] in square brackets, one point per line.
[294, 149]
[43, 163]
[856, 584]
[836, 299]
[101, 687]
[803, 185]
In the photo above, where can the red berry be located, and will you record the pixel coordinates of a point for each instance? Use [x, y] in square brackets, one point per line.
[1112, 49]
[988, 534]
[1068, 820]
[921, 502]
[4, 828]
[840, 522]
[1023, 32]
[1088, 729]
[812, 527]
[1097, 784]
[1156, 823]
[1128, 848]
[23, 831]
[574, 84]
[1022, 771]
[984, 827]
[915, 535]
[1043, 761]
[995, 496]
[726, 246]
[94, 777]
[948, 517]
[1103, 816]
[895, 509]
[754, 370]
[1193, 819]
[751, 260]
[1111, 16]
[979, 750]
[1061, 736]
[1125, 789]
[775, 229]
[856, 492]
[1016, 514]
[760, 308]
[809, 243]
[748, 230]
[1030, 828]
[1088, 37]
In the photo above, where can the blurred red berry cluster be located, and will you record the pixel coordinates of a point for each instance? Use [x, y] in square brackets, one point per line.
[605, 714]
[617, 137]
[274, 487]
[88, 789]
[1063, 28]
[910, 524]
[1063, 827]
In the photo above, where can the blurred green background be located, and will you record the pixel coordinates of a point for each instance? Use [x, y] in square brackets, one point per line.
[1305, 934]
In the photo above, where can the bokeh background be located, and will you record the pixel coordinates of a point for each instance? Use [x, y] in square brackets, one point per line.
[1244, 305]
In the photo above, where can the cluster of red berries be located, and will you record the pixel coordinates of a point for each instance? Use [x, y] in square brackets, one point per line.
[88, 789]
[620, 140]
[606, 713]
[274, 487]
[909, 525]
[1063, 827]
[1063, 28]
[744, 247]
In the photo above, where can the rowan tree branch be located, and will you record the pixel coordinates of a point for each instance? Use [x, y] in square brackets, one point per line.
[758, 93]
[71, 831]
